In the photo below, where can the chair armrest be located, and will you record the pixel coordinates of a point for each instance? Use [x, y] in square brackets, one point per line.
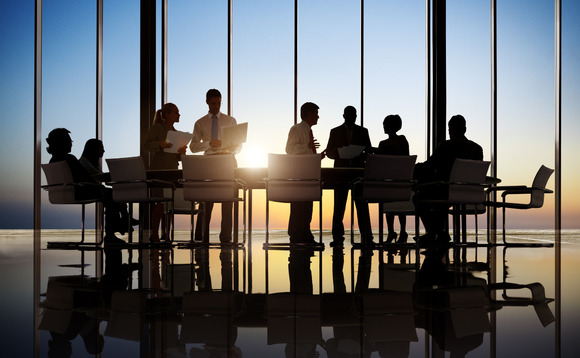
[241, 183]
[506, 187]
[81, 184]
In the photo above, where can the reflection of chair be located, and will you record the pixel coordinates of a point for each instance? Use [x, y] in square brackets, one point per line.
[387, 316]
[293, 178]
[130, 185]
[294, 319]
[210, 178]
[208, 317]
[466, 186]
[63, 190]
[456, 316]
[537, 295]
[387, 179]
[130, 310]
[536, 194]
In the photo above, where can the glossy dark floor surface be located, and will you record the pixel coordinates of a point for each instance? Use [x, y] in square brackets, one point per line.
[251, 302]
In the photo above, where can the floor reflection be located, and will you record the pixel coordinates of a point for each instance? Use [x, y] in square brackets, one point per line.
[235, 302]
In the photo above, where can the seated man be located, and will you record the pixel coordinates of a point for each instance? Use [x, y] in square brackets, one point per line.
[59, 146]
[437, 168]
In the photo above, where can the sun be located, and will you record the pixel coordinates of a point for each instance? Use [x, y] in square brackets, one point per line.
[252, 156]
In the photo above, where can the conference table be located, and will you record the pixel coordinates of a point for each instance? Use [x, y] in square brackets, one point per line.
[253, 178]
[331, 178]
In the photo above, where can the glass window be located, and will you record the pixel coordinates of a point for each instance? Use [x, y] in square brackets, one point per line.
[68, 85]
[526, 99]
[395, 69]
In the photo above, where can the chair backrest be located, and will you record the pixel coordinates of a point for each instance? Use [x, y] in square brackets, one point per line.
[388, 178]
[124, 170]
[538, 186]
[59, 173]
[208, 178]
[467, 178]
[294, 177]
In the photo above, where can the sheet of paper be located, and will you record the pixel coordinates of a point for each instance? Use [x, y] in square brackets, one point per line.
[178, 139]
[234, 135]
[350, 151]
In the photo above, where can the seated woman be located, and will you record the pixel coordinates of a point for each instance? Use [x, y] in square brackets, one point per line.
[90, 160]
[59, 146]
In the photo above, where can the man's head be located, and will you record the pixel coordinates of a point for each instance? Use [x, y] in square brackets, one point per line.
[457, 126]
[309, 113]
[349, 116]
[59, 141]
[213, 98]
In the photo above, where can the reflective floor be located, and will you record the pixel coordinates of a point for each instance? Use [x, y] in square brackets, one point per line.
[252, 302]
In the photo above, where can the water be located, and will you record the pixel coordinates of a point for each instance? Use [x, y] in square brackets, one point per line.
[236, 302]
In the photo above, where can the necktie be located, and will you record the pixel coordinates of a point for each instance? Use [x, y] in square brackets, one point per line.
[214, 127]
[312, 142]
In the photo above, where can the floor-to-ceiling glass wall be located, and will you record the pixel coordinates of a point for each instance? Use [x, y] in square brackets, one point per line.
[121, 96]
[525, 57]
[394, 69]
[197, 49]
[68, 86]
[263, 85]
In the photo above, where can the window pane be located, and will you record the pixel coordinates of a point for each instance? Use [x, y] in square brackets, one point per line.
[328, 61]
[263, 82]
[197, 57]
[68, 85]
[526, 99]
[469, 68]
[395, 69]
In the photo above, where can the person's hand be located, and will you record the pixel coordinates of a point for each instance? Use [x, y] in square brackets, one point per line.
[182, 150]
[314, 144]
[165, 144]
[215, 143]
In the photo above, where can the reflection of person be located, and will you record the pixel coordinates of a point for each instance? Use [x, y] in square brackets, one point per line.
[59, 146]
[438, 167]
[301, 141]
[395, 144]
[346, 134]
[207, 139]
[155, 143]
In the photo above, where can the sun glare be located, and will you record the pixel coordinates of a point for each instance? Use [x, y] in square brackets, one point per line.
[252, 156]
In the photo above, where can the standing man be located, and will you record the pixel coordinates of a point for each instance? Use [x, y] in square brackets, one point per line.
[348, 134]
[207, 139]
[301, 141]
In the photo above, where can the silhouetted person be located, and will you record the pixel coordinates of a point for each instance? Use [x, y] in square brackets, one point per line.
[59, 146]
[91, 161]
[301, 141]
[91, 157]
[207, 138]
[155, 143]
[437, 168]
[395, 144]
[344, 135]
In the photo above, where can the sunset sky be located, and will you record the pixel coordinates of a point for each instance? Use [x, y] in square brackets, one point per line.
[329, 61]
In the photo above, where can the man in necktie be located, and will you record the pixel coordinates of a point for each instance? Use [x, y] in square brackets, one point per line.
[206, 138]
[346, 134]
[301, 141]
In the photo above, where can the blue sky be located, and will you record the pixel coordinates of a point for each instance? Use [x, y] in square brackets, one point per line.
[262, 87]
